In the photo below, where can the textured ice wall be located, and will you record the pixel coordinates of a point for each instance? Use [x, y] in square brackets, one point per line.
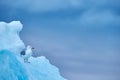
[10, 67]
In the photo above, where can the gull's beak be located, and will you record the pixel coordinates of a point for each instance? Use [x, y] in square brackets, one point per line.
[33, 48]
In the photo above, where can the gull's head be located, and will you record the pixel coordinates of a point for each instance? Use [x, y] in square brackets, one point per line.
[30, 47]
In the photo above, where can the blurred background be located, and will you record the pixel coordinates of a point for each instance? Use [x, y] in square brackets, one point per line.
[80, 37]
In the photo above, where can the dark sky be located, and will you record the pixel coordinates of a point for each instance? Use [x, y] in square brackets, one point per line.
[80, 37]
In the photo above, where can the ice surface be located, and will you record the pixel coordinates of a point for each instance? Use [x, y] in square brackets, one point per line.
[12, 66]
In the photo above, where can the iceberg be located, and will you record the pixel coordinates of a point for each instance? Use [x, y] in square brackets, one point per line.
[12, 66]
